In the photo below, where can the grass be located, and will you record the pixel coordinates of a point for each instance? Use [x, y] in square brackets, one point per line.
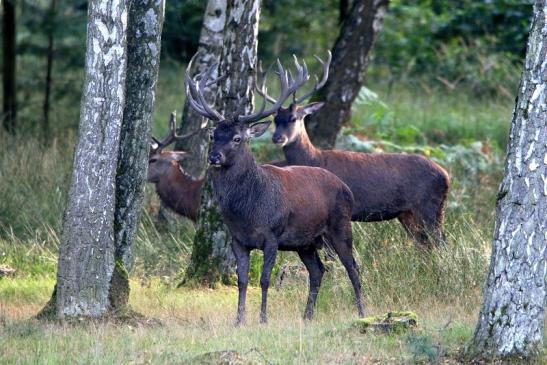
[194, 322]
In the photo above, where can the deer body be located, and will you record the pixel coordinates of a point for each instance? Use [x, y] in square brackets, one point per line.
[273, 208]
[176, 189]
[385, 186]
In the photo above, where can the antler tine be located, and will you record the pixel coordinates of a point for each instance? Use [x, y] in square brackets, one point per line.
[318, 84]
[194, 92]
[287, 89]
[260, 90]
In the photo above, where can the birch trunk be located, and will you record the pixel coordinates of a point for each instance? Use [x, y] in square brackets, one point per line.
[143, 60]
[210, 50]
[512, 316]
[350, 57]
[86, 254]
[212, 256]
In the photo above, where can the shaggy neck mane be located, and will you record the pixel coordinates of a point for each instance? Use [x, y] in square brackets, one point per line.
[236, 184]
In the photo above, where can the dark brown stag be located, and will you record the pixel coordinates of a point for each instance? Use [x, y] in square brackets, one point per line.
[176, 189]
[408, 187]
[271, 208]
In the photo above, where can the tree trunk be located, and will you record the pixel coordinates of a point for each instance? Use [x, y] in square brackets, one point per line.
[210, 49]
[143, 60]
[8, 71]
[212, 257]
[350, 57]
[511, 319]
[86, 253]
[49, 64]
[343, 8]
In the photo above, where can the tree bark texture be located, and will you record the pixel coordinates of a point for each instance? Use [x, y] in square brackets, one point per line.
[86, 254]
[8, 71]
[512, 316]
[212, 256]
[143, 60]
[210, 50]
[350, 57]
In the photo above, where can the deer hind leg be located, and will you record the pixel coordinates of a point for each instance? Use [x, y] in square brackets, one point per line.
[315, 268]
[341, 238]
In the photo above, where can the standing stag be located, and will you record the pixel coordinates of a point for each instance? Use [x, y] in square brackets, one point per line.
[408, 187]
[176, 189]
[271, 208]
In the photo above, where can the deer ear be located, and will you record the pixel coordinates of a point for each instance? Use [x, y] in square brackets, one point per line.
[310, 108]
[258, 129]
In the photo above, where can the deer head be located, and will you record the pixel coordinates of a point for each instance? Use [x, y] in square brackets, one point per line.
[159, 161]
[231, 134]
[289, 122]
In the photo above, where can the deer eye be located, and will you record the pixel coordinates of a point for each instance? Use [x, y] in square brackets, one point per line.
[152, 160]
[237, 139]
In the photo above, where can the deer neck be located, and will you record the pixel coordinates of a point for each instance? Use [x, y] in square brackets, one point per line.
[175, 185]
[301, 151]
[235, 185]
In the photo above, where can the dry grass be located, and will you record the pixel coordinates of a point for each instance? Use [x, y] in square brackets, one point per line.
[195, 322]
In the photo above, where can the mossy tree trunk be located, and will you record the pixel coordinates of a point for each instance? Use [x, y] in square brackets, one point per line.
[105, 197]
[350, 57]
[212, 257]
[512, 316]
[143, 61]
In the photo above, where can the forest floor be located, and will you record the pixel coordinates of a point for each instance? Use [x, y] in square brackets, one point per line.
[197, 326]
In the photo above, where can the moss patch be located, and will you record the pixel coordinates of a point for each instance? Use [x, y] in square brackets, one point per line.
[391, 322]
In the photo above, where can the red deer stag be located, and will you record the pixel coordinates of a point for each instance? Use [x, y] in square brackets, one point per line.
[408, 187]
[176, 189]
[271, 208]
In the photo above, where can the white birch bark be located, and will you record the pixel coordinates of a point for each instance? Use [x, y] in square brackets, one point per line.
[86, 255]
[511, 320]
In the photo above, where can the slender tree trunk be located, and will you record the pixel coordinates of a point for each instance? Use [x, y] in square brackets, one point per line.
[49, 64]
[143, 61]
[512, 316]
[212, 257]
[343, 9]
[350, 57]
[8, 71]
[210, 50]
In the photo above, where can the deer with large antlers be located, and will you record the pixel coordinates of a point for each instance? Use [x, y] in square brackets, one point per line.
[176, 189]
[271, 208]
[385, 186]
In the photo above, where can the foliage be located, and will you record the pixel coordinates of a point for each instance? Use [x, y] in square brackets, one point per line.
[476, 43]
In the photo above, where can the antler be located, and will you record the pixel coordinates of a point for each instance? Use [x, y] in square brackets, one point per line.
[173, 136]
[194, 91]
[318, 84]
[289, 85]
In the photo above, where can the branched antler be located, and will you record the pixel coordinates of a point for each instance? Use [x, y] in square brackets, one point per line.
[157, 145]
